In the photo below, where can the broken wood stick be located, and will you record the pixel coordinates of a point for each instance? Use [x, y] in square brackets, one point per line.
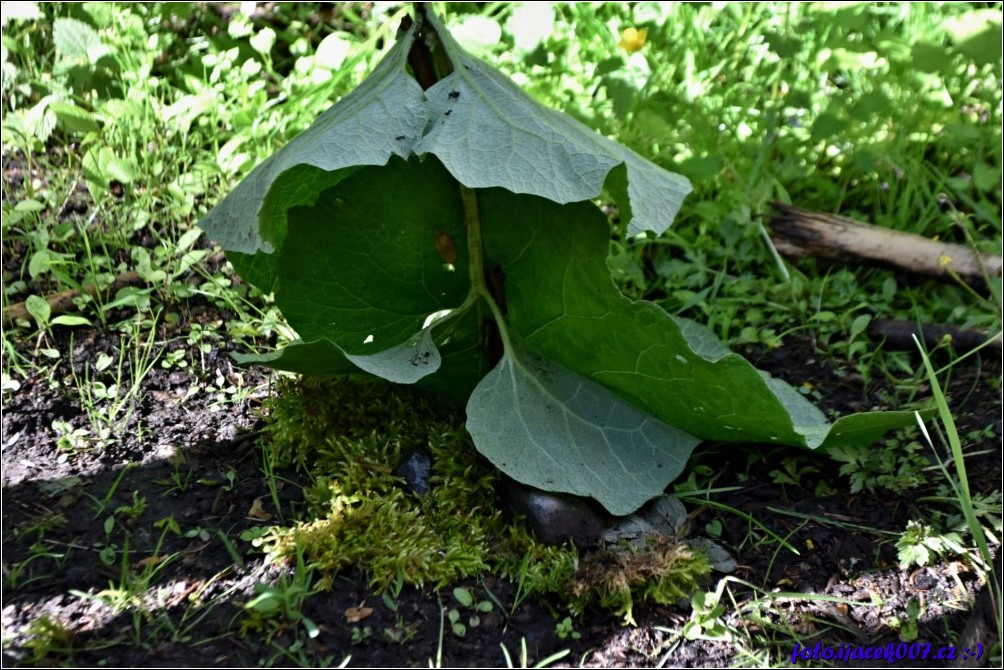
[63, 300]
[797, 233]
[899, 335]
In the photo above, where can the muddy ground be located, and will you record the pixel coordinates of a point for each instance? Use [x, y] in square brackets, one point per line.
[182, 475]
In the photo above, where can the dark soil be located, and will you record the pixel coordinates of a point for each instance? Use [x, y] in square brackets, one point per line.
[187, 461]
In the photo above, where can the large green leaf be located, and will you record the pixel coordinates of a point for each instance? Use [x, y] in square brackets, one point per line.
[361, 267]
[488, 132]
[559, 431]
[564, 306]
[496, 135]
[383, 117]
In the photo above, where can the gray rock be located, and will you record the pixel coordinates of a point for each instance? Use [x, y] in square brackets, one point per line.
[416, 469]
[720, 559]
[556, 518]
[664, 515]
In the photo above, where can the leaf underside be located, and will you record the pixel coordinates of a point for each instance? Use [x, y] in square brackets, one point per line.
[560, 431]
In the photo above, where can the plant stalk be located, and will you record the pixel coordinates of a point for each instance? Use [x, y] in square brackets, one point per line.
[476, 263]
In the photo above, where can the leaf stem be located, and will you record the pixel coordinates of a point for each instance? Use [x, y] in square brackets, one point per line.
[476, 264]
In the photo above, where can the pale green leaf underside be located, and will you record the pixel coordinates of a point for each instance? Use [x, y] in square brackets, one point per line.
[405, 363]
[558, 431]
[488, 132]
[384, 116]
[485, 130]
[320, 358]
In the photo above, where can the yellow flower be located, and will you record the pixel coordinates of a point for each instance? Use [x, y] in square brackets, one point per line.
[633, 39]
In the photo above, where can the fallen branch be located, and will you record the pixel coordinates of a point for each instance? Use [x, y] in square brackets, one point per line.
[899, 335]
[797, 233]
[63, 301]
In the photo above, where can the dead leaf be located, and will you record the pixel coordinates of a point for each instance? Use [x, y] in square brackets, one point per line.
[357, 614]
[150, 560]
[258, 512]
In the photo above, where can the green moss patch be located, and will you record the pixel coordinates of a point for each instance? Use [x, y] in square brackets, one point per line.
[349, 438]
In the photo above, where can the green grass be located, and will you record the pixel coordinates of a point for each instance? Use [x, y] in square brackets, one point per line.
[123, 124]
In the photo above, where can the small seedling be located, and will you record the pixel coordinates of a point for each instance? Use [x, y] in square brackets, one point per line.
[393, 593]
[564, 629]
[524, 656]
[361, 634]
[921, 543]
[458, 628]
[283, 603]
[705, 618]
[133, 511]
[465, 597]
[907, 628]
[400, 632]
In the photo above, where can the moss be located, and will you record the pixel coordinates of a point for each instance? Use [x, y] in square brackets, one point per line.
[663, 571]
[348, 438]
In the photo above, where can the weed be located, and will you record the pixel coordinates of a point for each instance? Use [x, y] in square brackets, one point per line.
[897, 465]
[792, 470]
[465, 598]
[48, 640]
[178, 481]
[522, 583]
[361, 634]
[705, 617]
[908, 628]
[920, 544]
[524, 657]
[565, 629]
[14, 572]
[278, 607]
[960, 487]
[130, 513]
[108, 406]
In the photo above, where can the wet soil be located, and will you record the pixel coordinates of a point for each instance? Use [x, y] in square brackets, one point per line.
[86, 528]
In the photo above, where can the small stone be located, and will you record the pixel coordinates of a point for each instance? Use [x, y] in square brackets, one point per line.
[556, 518]
[415, 469]
[665, 515]
[228, 433]
[720, 559]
